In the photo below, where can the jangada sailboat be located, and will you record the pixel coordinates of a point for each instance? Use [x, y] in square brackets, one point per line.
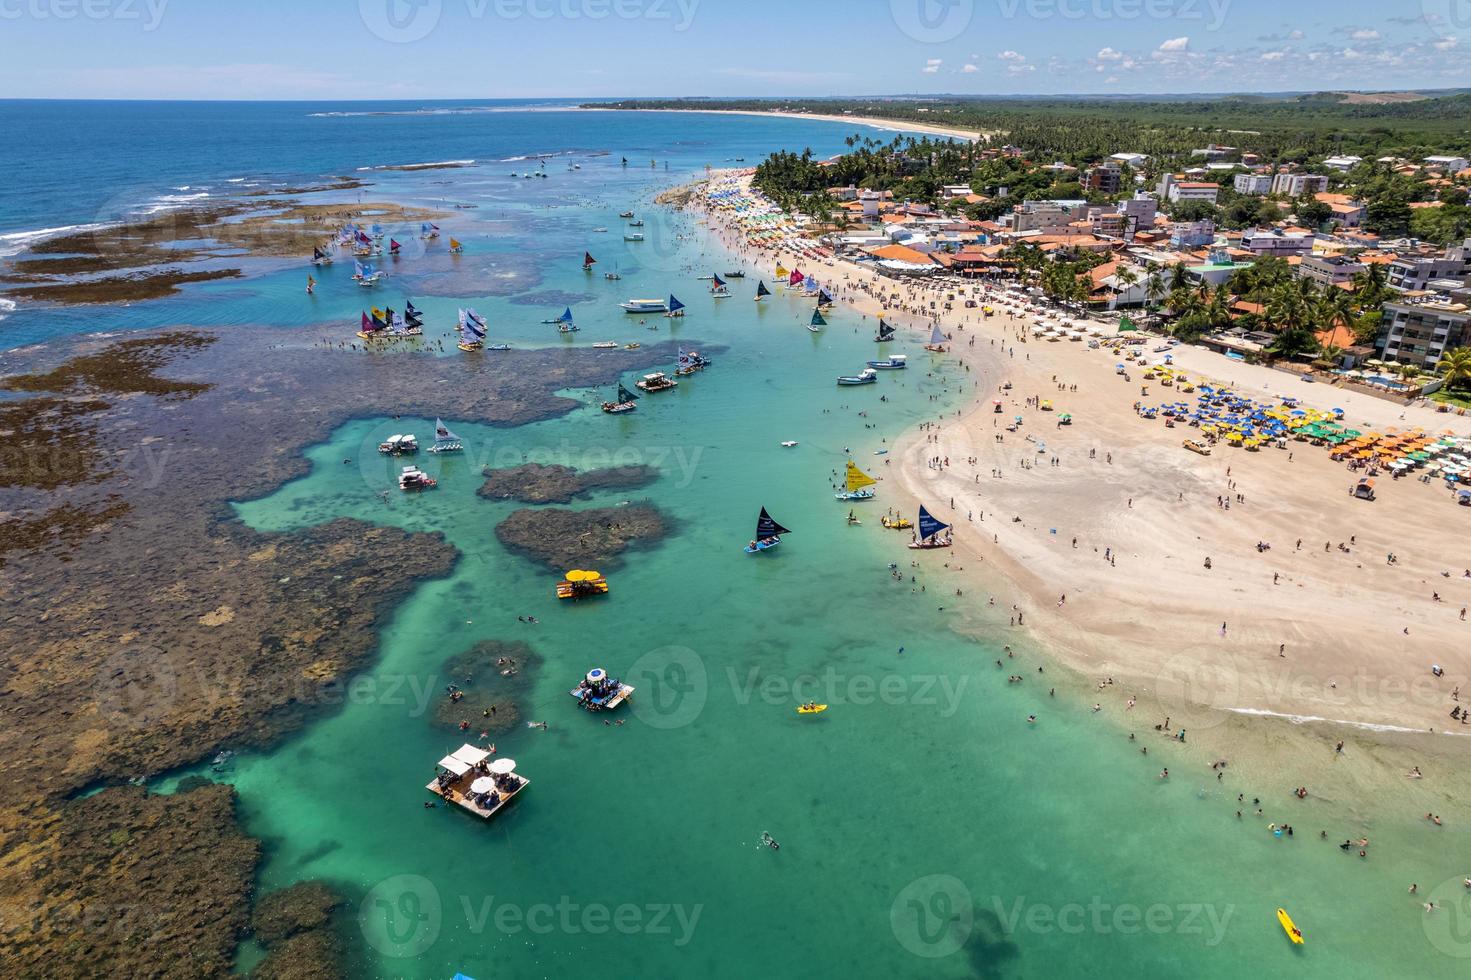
[931, 533]
[885, 334]
[823, 299]
[937, 340]
[320, 257]
[676, 308]
[768, 534]
[472, 331]
[859, 484]
[445, 441]
[428, 230]
[689, 362]
[588, 261]
[455, 247]
[718, 288]
[565, 324]
[761, 290]
[627, 402]
[817, 322]
[373, 327]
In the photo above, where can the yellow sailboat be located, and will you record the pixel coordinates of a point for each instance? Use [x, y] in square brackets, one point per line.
[781, 273]
[859, 484]
[455, 247]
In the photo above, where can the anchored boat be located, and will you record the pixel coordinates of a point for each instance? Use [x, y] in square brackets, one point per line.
[627, 402]
[937, 340]
[761, 290]
[580, 584]
[817, 322]
[689, 362]
[445, 441]
[399, 445]
[599, 692]
[469, 781]
[885, 334]
[644, 306]
[472, 331]
[896, 363]
[859, 484]
[415, 480]
[658, 381]
[931, 532]
[768, 534]
[718, 288]
[867, 376]
[676, 308]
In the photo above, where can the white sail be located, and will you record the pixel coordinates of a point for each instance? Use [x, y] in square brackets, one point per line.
[936, 337]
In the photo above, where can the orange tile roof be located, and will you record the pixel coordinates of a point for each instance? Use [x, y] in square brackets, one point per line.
[901, 253]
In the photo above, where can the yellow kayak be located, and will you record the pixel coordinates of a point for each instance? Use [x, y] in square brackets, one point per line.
[811, 709]
[1293, 932]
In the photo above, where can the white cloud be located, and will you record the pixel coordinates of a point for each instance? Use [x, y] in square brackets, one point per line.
[1012, 56]
[1111, 80]
[1273, 55]
[1109, 54]
[1020, 69]
[969, 69]
[1175, 44]
[933, 65]
[1447, 44]
[1296, 36]
[1349, 54]
[1365, 35]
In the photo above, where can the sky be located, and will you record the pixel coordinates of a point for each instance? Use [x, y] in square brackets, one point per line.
[485, 49]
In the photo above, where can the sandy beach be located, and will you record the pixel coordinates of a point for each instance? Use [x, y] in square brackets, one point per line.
[1090, 542]
[888, 125]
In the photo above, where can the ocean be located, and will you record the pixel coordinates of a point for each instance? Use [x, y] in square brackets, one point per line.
[926, 828]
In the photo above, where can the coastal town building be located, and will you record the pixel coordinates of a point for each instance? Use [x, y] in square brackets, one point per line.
[1329, 270]
[1135, 160]
[1172, 189]
[1423, 325]
[1043, 216]
[1412, 273]
[1451, 165]
[1192, 234]
[1296, 185]
[1276, 242]
[1103, 179]
[1255, 185]
[1343, 163]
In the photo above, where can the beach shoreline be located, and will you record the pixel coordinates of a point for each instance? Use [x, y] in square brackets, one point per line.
[873, 122]
[1145, 626]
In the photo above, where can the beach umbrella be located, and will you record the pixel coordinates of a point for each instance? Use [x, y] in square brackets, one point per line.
[482, 785]
[503, 767]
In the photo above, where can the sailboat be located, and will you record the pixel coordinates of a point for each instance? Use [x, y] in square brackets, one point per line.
[817, 322]
[676, 308]
[445, 441]
[367, 275]
[372, 327]
[761, 290]
[455, 247]
[627, 402]
[768, 534]
[472, 331]
[859, 484]
[929, 534]
[319, 257]
[413, 314]
[564, 322]
[823, 298]
[718, 288]
[393, 247]
[885, 334]
[428, 230]
[588, 261]
[795, 279]
[937, 340]
[781, 273]
[689, 362]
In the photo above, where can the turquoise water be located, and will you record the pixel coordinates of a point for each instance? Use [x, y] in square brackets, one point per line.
[926, 827]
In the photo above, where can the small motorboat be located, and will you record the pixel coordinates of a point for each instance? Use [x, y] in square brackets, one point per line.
[414, 480]
[658, 381]
[632, 346]
[789, 444]
[867, 376]
[605, 345]
[735, 275]
[625, 214]
[1289, 927]
[811, 709]
[896, 363]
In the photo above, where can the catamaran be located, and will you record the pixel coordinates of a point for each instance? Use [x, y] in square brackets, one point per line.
[768, 534]
[817, 322]
[930, 533]
[658, 381]
[859, 484]
[645, 306]
[885, 334]
[588, 261]
[896, 363]
[472, 331]
[627, 402]
[718, 288]
[937, 340]
[867, 376]
[761, 290]
[445, 441]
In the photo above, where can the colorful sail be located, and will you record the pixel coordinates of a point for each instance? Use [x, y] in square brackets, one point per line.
[368, 271]
[768, 528]
[442, 432]
[393, 245]
[369, 325]
[929, 526]
[761, 289]
[716, 282]
[674, 304]
[886, 332]
[823, 299]
[472, 328]
[566, 316]
[588, 261]
[318, 254]
[780, 272]
[817, 320]
[857, 479]
[411, 312]
[455, 246]
[795, 279]
[357, 269]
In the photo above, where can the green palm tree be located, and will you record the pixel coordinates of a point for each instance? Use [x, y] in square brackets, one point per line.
[1455, 367]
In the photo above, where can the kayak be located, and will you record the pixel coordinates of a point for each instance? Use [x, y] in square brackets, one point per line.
[815, 709]
[1293, 932]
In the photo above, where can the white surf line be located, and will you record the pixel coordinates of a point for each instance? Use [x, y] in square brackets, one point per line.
[1365, 725]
